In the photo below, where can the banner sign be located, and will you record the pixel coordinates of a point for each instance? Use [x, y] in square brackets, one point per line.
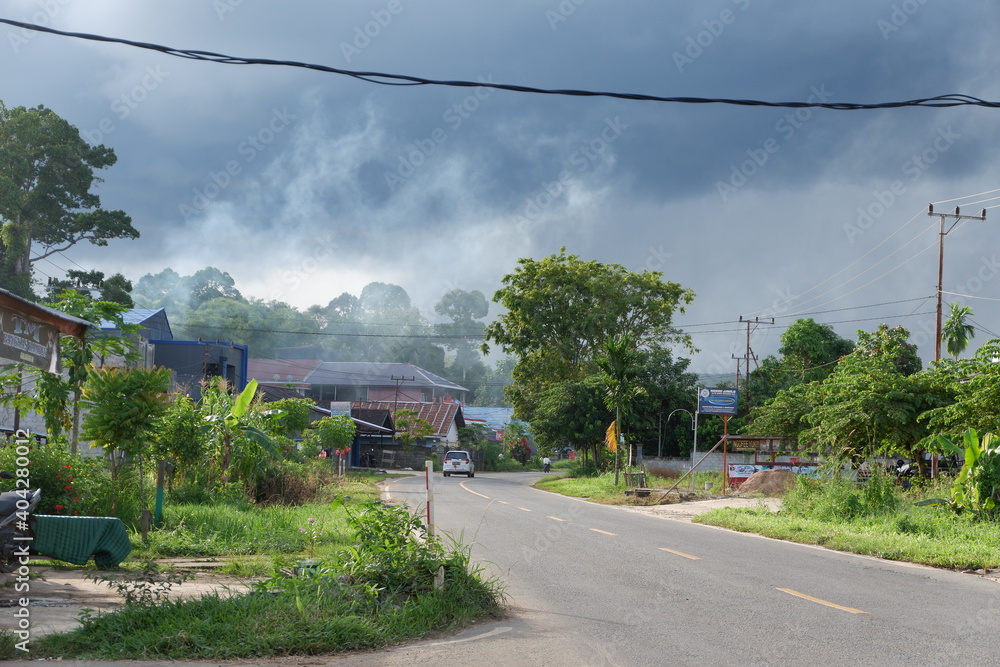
[28, 341]
[717, 401]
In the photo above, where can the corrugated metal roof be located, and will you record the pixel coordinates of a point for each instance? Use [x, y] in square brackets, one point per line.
[439, 415]
[375, 374]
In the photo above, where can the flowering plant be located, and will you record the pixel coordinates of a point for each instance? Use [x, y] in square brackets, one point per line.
[312, 530]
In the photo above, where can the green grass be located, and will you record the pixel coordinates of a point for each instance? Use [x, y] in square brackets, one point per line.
[374, 586]
[926, 535]
[602, 488]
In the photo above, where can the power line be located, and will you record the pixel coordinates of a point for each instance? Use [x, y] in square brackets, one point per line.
[389, 79]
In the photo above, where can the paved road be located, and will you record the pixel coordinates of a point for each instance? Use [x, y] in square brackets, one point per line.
[597, 585]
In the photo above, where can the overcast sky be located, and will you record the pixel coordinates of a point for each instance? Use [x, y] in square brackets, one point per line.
[303, 185]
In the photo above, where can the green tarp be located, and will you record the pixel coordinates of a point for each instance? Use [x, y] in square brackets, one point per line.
[75, 539]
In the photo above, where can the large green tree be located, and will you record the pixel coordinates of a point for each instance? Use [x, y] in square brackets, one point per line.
[47, 173]
[560, 310]
[462, 334]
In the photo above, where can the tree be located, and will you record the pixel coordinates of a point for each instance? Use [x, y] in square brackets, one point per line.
[973, 385]
[667, 385]
[956, 331]
[46, 177]
[411, 427]
[78, 355]
[122, 405]
[490, 391]
[465, 310]
[810, 349]
[619, 365]
[178, 436]
[236, 434]
[572, 415]
[560, 310]
[329, 433]
[115, 289]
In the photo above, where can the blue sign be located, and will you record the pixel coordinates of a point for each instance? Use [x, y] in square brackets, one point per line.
[717, 401]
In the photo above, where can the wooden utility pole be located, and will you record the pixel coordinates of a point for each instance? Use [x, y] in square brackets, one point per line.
[748, 356]
[955, 217]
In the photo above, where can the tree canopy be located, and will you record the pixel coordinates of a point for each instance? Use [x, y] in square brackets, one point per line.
[47, 173]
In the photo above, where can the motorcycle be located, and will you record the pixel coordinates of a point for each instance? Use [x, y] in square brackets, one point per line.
[546, 464]
[16, 509]
[73, 539]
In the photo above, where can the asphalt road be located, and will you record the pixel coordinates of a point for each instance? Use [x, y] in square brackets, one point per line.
[597, 585]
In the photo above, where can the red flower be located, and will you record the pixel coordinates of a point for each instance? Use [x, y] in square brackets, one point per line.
[59, 507]
[66, 465]
[68, 488]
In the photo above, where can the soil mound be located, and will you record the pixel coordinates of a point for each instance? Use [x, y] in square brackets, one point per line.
[770, 483]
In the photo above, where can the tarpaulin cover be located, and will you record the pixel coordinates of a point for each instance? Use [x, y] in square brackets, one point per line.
[75, 539]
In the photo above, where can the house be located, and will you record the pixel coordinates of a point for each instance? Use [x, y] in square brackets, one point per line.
[325, 381]
[191, 361]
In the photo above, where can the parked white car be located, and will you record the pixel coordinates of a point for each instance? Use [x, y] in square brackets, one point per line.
[459, 462]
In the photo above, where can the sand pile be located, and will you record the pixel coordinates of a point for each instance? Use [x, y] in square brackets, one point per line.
[770, 483]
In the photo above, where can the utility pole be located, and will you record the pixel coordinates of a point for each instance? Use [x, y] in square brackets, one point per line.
[748, 356]
[395, 400]
[955, 217]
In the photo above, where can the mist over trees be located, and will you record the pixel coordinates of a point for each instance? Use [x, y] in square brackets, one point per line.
[380, 324]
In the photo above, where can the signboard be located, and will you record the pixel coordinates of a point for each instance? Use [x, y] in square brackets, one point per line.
[28, 341]
[717, 401]
[755, 444]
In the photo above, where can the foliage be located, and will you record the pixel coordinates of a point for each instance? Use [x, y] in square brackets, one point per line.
[123, 406]
[466, 311]
[411, 427]
[956, 331]
[560, 310]
[329, 433]
[238, 444]
[74, 484]
[809, 349]
[293, 415]
[46, 178]
[973, 387]
[378, 590]
[977, 487]
[618, 363]
[490, 392]
[572, 414]
[178, 436]
[148, 587]
[833, 499]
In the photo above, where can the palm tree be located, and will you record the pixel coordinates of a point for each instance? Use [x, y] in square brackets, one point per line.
[619, 365]
[956, 332]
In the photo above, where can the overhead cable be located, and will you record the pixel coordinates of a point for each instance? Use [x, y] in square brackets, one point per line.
[389, 79]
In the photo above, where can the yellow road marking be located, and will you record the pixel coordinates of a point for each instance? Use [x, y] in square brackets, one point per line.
[503, 502]
[555, 518]
[822, 602]
[680, 553]
[598, 530]
[462, 484]
[524, 509]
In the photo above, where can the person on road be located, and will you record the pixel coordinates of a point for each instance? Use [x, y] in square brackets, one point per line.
[546, 463]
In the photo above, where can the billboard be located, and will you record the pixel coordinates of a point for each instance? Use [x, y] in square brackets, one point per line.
[29, 341]
[717, 401]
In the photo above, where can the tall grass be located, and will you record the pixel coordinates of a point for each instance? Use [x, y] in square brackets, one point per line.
[877, 519]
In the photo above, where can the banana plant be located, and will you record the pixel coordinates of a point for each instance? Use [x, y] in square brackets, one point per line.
[232, 426]
[977, 487]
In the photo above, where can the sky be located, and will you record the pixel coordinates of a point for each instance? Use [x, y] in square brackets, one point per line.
[303, 185]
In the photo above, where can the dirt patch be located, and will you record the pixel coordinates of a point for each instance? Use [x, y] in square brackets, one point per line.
[770, 483]
[55, 597]
[688, 510]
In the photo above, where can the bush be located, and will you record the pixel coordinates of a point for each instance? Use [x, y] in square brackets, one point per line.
[839, 499]
[76, 485]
